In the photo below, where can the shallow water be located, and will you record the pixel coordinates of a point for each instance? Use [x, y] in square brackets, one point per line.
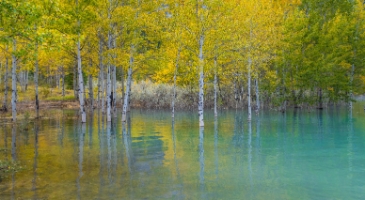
[297, 155]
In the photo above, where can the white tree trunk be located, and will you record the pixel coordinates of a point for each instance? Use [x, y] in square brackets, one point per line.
[122, 80]
[108, 94]
[201, 82]
[351, 85]
[128, 90]
[249, 88]
[101, 85]
[36, 81]
[257, 92]
[91, 92]
[6, 88]
[63, 82]
[26, 80]
[109, 77]
[81, 83]
[174, 88]
[114, 91]
[13, 81]
[215, 87]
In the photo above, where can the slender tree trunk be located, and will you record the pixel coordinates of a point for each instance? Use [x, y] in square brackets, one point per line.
[114, 86]
[98, 94]
[201, 82]
[109, 95]
[109, 92]
[101, 76]
[215, 87]
[114, 83]
[14, 96]
[63, 83]
[26, 80]
[257, 92]
[123, 92]
[36, 80]
[174, 88]
[128, 89]
[249, 89]
[91, 92]
[81, 83]
[320, 99]
[75, 87]
[5, 103]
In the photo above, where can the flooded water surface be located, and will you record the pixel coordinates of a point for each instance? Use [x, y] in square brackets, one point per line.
[296, 155]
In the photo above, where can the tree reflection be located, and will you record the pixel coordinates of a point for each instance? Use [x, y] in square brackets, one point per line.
[35, 162]
[101, 153]
[13, 156]
[13, 142]
[174, 151]
[249, 156]
[81, 157]
[216, 160]
[91, 123]
[201, 160]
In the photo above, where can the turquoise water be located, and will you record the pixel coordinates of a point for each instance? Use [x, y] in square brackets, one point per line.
[296, 155]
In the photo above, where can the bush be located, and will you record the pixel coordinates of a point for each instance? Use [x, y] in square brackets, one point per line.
[146, 94]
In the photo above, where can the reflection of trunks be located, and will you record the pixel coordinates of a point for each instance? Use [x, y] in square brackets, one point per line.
[147, 153]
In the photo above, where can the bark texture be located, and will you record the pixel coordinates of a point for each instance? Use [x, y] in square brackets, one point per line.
[201, 82]
[81, 84]
[13, 82]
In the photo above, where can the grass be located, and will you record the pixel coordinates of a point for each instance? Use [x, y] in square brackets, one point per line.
[45, 94]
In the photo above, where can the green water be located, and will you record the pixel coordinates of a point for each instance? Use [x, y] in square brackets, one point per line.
[297, 155]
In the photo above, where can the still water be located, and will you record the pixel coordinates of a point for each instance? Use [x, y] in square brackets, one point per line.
[297, 155]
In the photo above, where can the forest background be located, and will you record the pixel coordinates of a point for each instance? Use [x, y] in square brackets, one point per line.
[181, 54]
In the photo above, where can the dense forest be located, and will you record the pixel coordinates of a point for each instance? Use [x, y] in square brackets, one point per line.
[216, 54]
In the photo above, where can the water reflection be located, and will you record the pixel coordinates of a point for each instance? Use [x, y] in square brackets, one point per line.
[177, 171]
[14, 158]
[216, 159]
[81, 158]
[201, 160]
[35, 162]
[101, 154]
[249, 157]
[13, 142]
[308, 155]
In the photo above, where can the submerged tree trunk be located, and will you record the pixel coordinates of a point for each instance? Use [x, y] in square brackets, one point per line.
[351, 85]
[36, 81]
[114, 87]
[101, 85]
[257, 92]
[249, 89]
[215, 87]
[320, 99]
[6, 87]
[91, 92]
[174, 88]
[26, 77]
[81, 83]
[123, 92]
[75, 87]
[128, 89]
[108, 94]
[201, 82]
[63, 83]
[13, 77]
